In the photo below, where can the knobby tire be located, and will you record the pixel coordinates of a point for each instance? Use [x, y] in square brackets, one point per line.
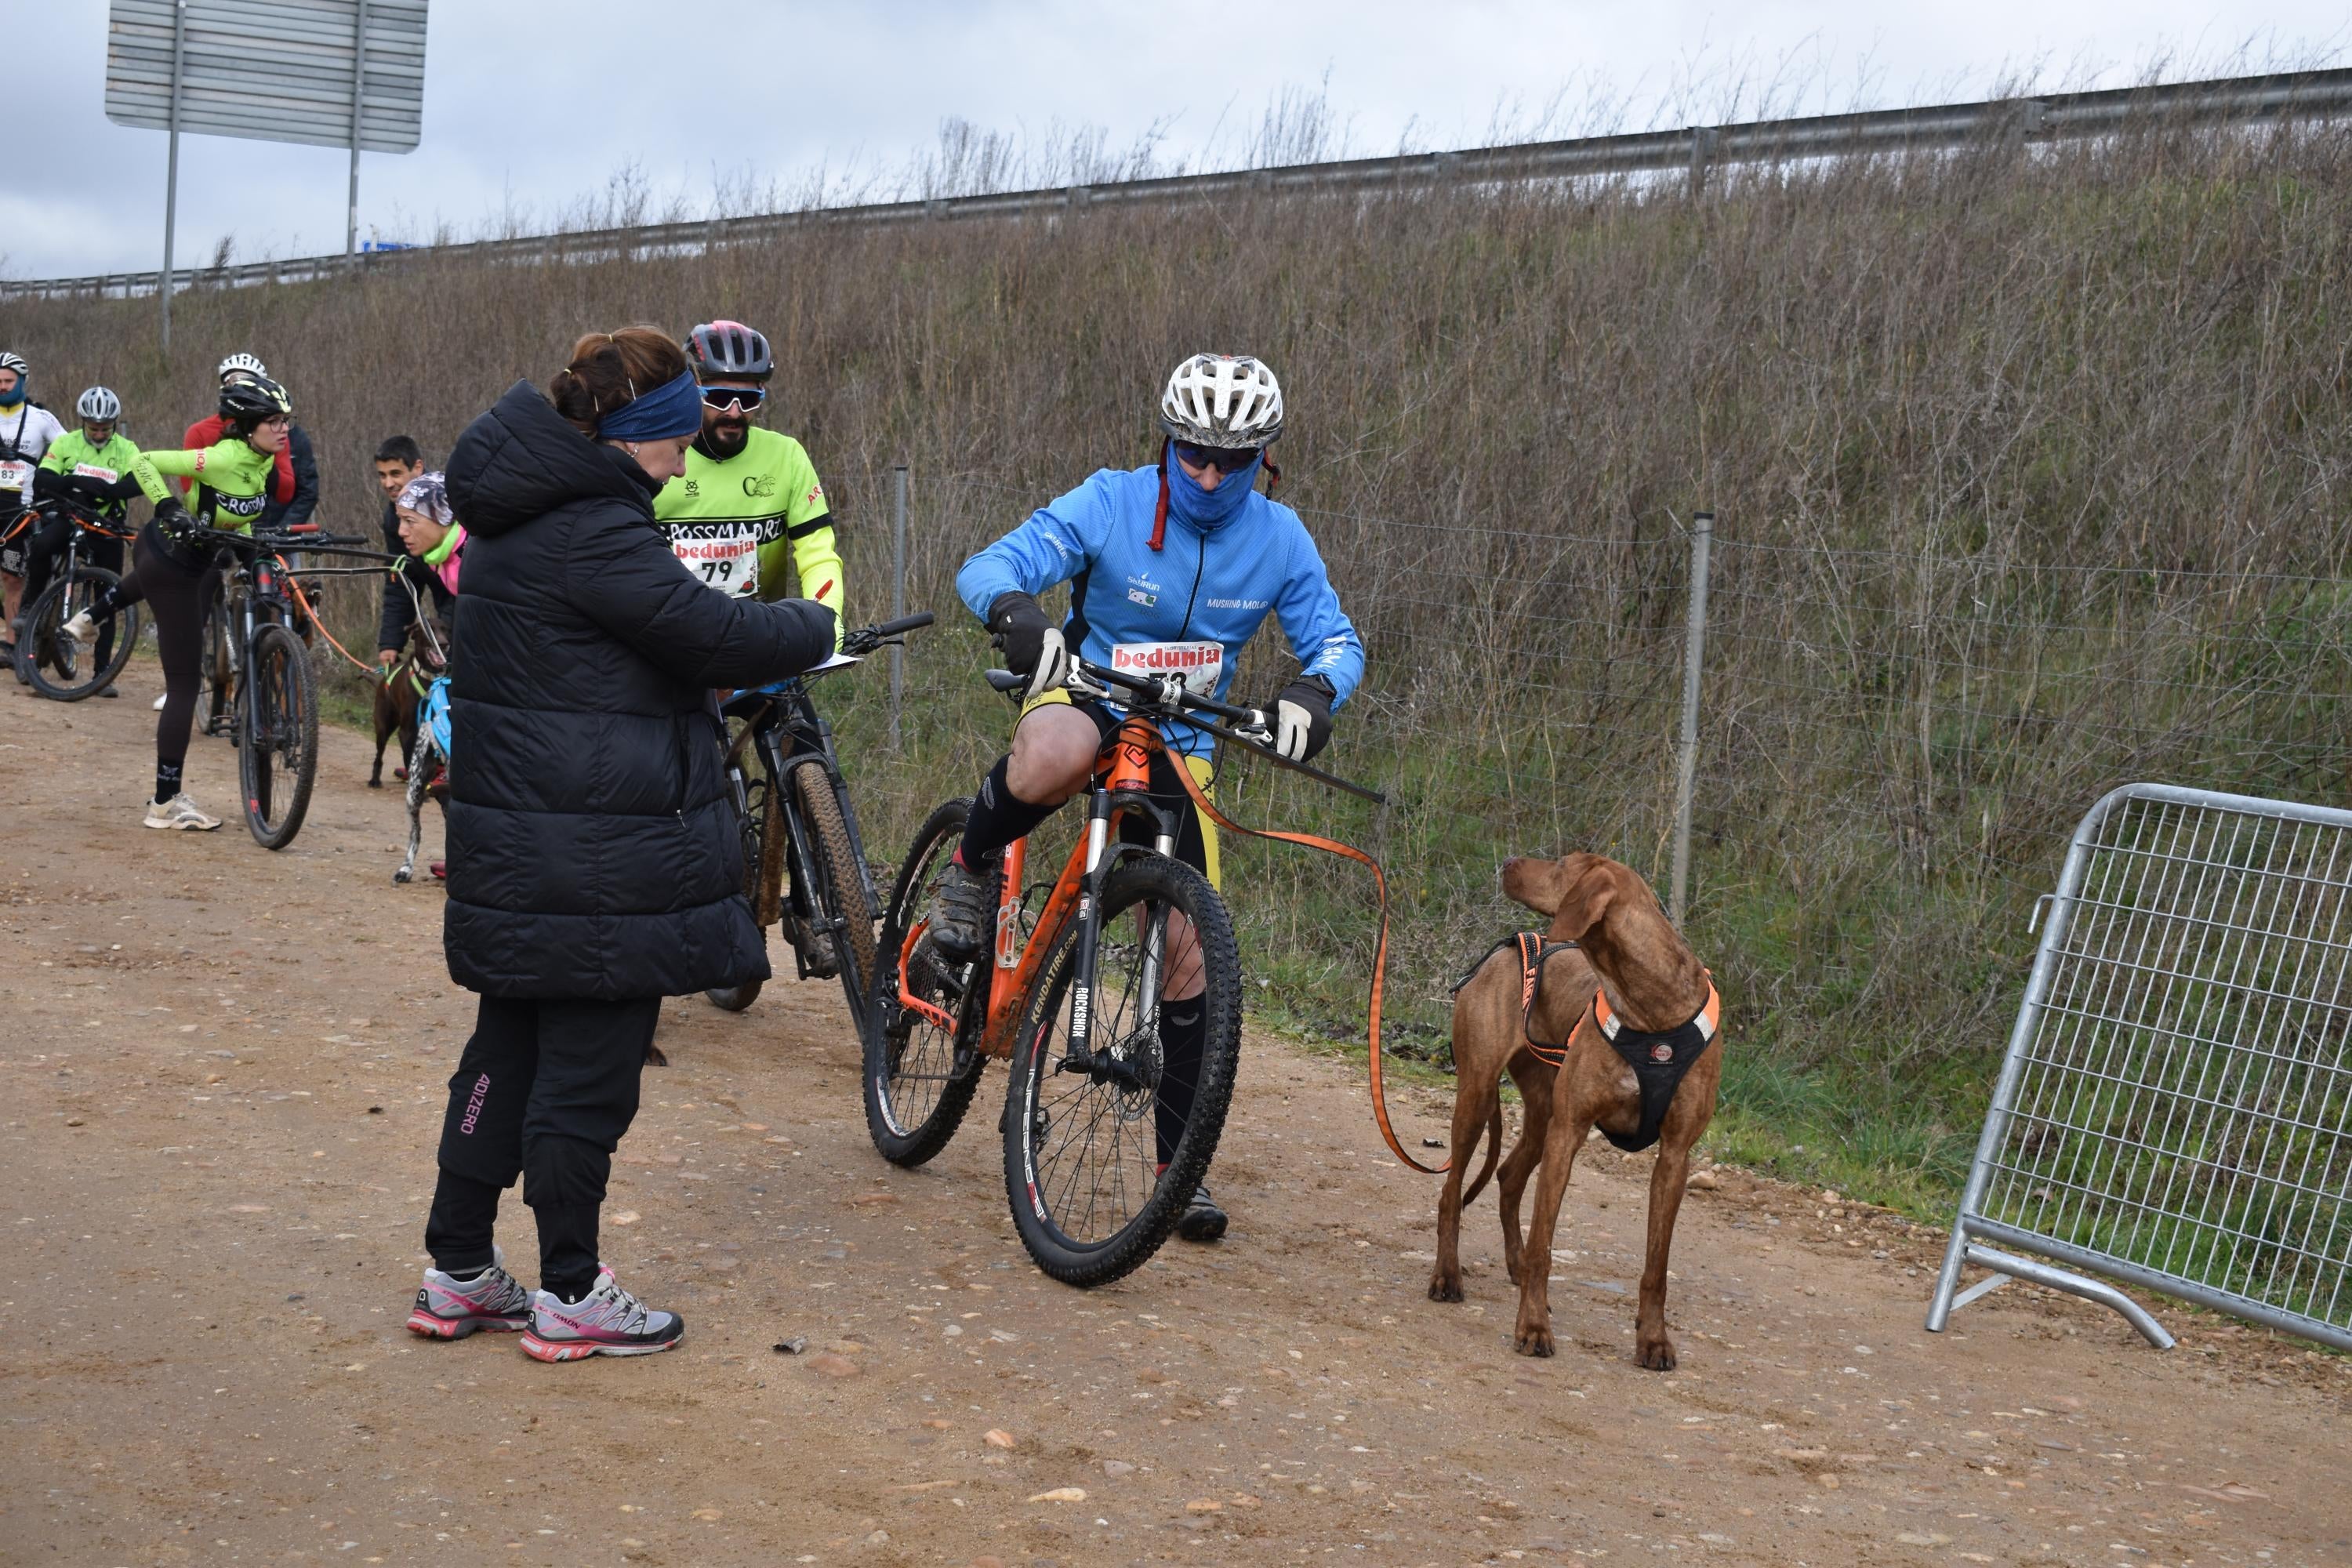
[38, 651]
[1040, 1100]
[841, 888]
[916, 1084]
[278, 743]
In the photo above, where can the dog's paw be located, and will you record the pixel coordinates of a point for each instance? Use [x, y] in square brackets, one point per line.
[1534, 1338]
[403, 875]
[375, 783]
[1442, 1288]
[1655, 1355]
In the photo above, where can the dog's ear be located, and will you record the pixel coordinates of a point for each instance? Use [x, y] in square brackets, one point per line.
[1589, 885]
[1538, 884]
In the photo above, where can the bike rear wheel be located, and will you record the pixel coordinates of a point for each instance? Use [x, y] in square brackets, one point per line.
[216, 678]
[70, 671]
[1101, 1155]
[277, 742]
[918, 1078]
[841, 892]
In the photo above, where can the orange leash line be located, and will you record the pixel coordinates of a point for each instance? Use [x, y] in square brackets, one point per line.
[1380, 951]
[304, 600]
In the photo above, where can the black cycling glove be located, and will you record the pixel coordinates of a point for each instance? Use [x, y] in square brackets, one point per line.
[174, 519]
[1302, 716]
[1033, 644]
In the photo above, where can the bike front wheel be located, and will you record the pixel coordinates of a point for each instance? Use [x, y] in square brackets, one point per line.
[277, 742]
[1107, 1133]
[918, 1078]
[842, 891]
[67, 671]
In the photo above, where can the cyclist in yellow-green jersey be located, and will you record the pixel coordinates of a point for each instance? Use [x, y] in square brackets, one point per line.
[749, 510]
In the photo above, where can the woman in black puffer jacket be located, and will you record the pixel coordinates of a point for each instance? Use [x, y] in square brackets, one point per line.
[594, 864]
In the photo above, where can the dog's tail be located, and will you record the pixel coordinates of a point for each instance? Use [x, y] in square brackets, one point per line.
[1494, 1152]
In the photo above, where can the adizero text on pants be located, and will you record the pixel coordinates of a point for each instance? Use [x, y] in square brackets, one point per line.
[544, 1090]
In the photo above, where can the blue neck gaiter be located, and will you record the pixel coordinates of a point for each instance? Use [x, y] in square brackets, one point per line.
[15, 394]
[1206, 510]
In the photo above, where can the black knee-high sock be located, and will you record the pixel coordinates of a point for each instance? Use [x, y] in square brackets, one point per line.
[1184, 1029]
[998, 817]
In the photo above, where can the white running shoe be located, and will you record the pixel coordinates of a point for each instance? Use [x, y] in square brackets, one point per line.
[158, 703]
[608, 1321]
[82, 628]
[179, 812]
[448, 1308]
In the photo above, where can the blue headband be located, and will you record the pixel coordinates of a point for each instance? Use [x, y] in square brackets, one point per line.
[669, 411]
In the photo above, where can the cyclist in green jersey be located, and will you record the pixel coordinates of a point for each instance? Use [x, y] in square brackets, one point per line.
[173, 570]
[749, 505]
[90, 466]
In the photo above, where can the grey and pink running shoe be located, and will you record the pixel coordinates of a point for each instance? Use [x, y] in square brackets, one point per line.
[450, 1308]
[608, 1321]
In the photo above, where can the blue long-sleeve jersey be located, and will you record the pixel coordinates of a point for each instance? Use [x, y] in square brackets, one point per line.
[1213, 585]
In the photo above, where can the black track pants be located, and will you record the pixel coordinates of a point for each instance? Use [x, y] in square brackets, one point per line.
[544, 1090]
[177, 591]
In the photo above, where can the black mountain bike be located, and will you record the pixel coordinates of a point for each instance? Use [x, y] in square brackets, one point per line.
[58, 666]
[803, 861]
[258, 678]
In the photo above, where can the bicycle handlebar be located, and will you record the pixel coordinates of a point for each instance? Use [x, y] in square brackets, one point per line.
[913, 622]
[1167, 695]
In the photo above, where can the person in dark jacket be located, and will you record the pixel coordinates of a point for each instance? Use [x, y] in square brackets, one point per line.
[296, 510]
[398, 461]
[595, 863]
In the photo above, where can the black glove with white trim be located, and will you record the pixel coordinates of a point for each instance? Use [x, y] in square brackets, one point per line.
[1302, 716]
[1033, 644]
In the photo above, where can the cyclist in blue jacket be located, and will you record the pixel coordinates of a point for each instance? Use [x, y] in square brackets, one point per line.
[1173, 565]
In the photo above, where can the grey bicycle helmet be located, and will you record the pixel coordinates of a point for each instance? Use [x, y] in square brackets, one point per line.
[243, 364]
[728, 350]
[99, 404]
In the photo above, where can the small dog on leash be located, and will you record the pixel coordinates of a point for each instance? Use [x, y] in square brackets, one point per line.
[1607, 1019]
[427, 762]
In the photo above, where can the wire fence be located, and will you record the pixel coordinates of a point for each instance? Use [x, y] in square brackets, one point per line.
[1893, 749]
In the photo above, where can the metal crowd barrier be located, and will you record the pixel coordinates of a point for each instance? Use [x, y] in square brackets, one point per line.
[2175, 1110]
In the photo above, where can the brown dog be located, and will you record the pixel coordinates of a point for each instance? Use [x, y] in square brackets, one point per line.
[1651, 985]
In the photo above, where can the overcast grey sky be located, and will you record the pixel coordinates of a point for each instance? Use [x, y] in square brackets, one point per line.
[532, 106]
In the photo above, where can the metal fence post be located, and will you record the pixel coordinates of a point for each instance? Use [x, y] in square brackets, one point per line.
[897, 592]
[1694, 656]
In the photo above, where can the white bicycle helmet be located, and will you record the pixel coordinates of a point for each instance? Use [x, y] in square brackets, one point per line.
[15, 362]
[1221, 400]
[248, 363]
[99, 402]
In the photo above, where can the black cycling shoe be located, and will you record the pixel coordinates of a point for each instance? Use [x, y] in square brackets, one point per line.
[961, 909]
[1203, 1220]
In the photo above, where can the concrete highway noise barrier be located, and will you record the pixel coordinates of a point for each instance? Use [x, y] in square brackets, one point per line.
[2173, 1111]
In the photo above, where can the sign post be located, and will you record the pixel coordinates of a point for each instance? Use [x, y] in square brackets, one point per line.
[330, 73]
[172, 179]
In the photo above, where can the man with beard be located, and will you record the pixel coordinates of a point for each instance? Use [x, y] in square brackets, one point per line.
[750, 499]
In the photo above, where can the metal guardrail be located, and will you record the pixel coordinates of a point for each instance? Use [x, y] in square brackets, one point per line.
[2232, 101]
[2175, 1109]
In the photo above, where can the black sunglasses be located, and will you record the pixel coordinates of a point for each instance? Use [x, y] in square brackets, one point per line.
[1224, 459]
[750, 397]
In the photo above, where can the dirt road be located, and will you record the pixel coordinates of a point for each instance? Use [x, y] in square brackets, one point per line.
[225, 1076]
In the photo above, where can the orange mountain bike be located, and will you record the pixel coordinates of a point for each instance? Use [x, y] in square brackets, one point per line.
[1104, 1135]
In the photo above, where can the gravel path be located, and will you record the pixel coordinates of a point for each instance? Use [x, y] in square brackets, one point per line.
[225, 1074]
